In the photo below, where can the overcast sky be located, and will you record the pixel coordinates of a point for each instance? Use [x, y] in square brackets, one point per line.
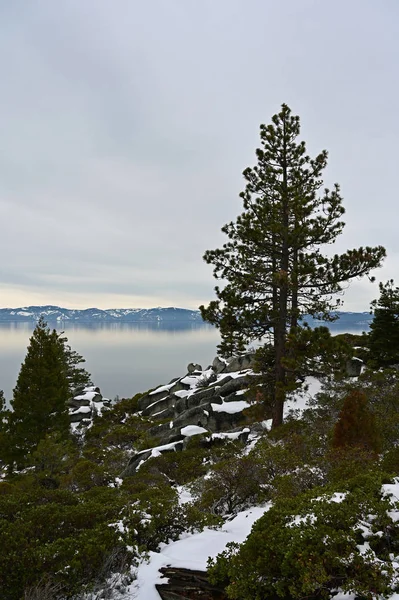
[125, 127]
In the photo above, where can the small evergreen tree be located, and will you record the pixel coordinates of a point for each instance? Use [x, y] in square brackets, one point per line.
[356, 426]
[44, 385]
[383, 341]
[273, 264]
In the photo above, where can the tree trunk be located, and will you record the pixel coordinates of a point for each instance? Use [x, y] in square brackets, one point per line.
[280, 332]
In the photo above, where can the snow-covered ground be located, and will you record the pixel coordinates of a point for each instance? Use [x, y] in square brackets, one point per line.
[191, 552]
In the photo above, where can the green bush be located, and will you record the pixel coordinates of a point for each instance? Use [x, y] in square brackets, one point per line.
[309, 546]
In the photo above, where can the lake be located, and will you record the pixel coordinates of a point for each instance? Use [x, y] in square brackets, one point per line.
[123, 358]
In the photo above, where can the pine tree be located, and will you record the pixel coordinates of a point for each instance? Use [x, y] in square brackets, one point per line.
[43, 387]
[383, 339]
[77, 376]
[4, 431]
[273, 264]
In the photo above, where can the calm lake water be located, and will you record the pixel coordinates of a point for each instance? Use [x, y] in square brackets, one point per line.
[122, 358]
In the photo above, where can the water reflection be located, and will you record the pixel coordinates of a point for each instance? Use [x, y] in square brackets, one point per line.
[123, 358]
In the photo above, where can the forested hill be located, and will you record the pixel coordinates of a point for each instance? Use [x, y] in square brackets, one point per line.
[143, 315]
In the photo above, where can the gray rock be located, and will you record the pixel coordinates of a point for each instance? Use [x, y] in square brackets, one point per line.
[185, 583]
[191, 368]
[194, 416]
[224, 421]
[354, 367]
[158, 406]
[180, 405]
[233, 386]
[136, 459]
[148, 399]
[202, 395]
[77, 417]
[82, 388]
[160, 432]
[218, 365]
[97, 398]
[73, 403]
[178, 386]
[240, 363]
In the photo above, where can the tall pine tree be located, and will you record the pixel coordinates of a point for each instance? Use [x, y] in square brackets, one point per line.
[383, 339]
[44, 384]
[273, 264]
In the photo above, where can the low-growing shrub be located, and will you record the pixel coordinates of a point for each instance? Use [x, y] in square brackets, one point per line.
[312, 545]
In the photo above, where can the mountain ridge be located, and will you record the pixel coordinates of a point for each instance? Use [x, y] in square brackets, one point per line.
[57, 314]
[54, 313]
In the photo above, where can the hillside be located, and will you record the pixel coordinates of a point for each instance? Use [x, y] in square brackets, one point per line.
[146, 490]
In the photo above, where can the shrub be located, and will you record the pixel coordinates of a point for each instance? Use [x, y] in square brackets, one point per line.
[309, 546]
[356, 425]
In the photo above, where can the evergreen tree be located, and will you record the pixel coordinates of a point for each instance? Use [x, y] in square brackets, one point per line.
[383, 340]
[43, 387]
[4, 428]
[77, 376]
[273, 264]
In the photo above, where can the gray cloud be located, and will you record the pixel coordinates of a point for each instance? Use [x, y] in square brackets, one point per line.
[125, 127]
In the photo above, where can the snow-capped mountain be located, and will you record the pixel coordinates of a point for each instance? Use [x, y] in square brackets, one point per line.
[160, 315]
[90, 315]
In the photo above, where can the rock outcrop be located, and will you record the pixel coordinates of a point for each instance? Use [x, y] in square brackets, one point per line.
[209, 402]
[212, 399]
[185, 583]
[85, 403]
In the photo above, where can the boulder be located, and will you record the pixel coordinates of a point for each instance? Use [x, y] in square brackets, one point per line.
[185, 583]
[180, 405]
[240, 363]
[97, 398]
[224, 421]
[233, 386]
[86, 388]
[158, 406]
[179, 386]
[219, 365]
[192, 367]
[136, 459]
[152, 397]
[194, 416]
[201, 396]
[73, 403]
[76, 417]
[354, 367]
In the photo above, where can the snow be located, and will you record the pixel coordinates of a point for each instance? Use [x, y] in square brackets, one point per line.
[192, 380]
[299, 401]
[229, 436]
[86, 396]
[163, 388]
[181, 393]
[241, 392]
[191, 552]
[158, 449]
[191, 430]
[230, 407]
[82, 410]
